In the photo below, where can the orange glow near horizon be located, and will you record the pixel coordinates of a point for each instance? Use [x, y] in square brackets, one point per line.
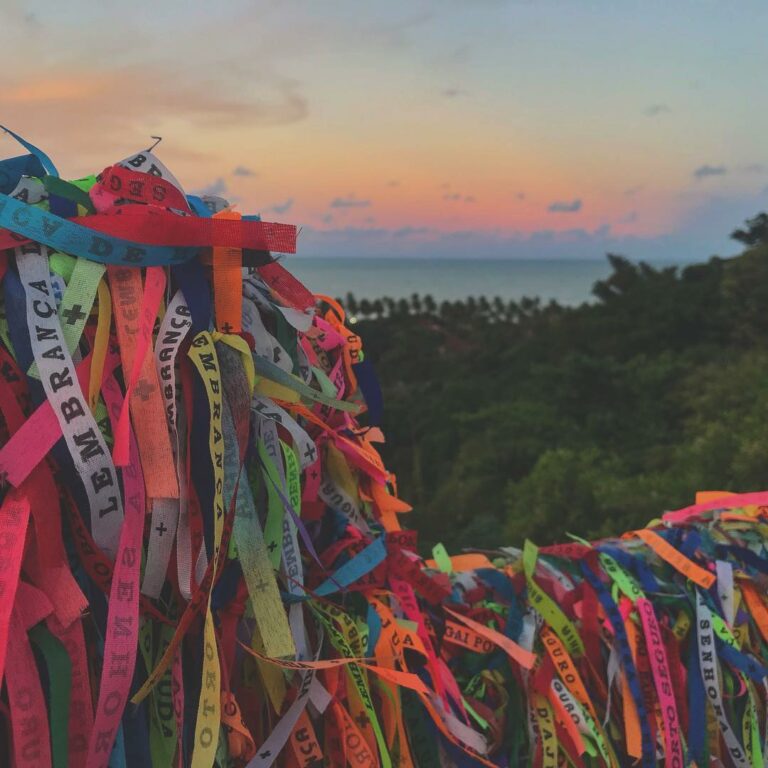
[506, 121]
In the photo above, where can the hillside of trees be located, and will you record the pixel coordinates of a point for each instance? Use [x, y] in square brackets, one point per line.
[507, 420]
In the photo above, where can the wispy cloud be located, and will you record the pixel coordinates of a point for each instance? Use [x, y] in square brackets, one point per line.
[565, 206]
[574, 243]
[214, 189]
[706, 170]
[397, 33]
[243, 170]
[654, 110]
[409, 231]
[16, 13]
[96, 93]
[282, 207]
[96, 98]
[458, 197]
[32, 20]
[453, 93]
[755, 168]
[349, 202]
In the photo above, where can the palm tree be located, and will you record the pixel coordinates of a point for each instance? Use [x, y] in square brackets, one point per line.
[378, 308]
[416, 305]
[389, 304]
[403, 307]
[365, 308]
[429, 304]
[755, 231]
[351, 304]
[530, 307]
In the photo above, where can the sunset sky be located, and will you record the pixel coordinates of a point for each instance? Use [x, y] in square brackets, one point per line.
[457, 128]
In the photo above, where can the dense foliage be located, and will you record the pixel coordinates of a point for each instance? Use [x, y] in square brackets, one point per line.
[507, 421]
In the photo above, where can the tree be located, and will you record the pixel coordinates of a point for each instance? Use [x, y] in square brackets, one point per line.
[530, 307]
[429, 304]
[756, 231]
[561, 480]
[351, 304]
[593, 418]
[623, 278]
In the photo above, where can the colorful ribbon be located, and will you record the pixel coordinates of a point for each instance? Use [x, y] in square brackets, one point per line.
[201, 554]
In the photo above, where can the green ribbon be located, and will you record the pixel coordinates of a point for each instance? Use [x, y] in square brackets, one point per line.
[60, 686]
[561, 625]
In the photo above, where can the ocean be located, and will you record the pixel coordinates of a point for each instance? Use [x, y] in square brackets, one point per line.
[569, 282]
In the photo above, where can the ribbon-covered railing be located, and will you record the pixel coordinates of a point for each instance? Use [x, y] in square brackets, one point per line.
[201, 555]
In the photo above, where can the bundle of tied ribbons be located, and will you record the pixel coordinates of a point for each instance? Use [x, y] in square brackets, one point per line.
[201, 561]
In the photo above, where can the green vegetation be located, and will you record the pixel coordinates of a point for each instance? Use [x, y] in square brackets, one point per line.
[513, 420]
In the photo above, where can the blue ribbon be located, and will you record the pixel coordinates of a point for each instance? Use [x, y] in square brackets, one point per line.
[355, 568]
[374, 629]
[68, 237]
[741, 661]
[45, 161]
[12, 169]
[611, 610]
[633, 564]
[369, 386]
[745, 555]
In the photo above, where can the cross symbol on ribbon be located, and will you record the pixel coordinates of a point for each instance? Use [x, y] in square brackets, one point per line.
[74, 314]
[144, 389]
